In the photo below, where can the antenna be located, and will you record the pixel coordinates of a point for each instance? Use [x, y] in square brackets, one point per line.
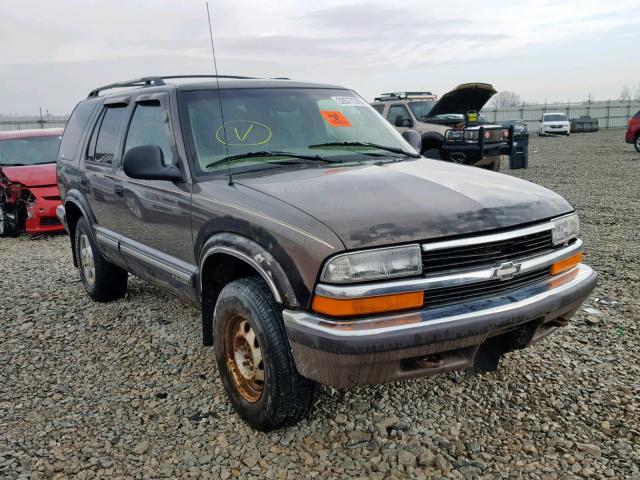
[215, 67]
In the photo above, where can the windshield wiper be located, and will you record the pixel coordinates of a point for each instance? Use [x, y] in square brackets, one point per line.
[274, 153]
[367, 144]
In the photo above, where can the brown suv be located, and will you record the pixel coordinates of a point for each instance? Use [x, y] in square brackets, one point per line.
[319, 246]
[450, 127]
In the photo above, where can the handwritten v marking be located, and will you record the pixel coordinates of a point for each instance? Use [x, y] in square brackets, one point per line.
[242, 138]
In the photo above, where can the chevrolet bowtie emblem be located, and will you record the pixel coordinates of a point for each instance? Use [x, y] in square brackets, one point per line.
[506, 271]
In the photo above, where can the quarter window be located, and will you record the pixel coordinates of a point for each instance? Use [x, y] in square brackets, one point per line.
[148, 127]
[73, 131]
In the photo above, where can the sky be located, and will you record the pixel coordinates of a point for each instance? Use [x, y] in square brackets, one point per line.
[53, 52]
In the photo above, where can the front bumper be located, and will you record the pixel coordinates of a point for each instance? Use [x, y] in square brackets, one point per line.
[384, 348]
[42, 216]
[555, 131]
[471, 154]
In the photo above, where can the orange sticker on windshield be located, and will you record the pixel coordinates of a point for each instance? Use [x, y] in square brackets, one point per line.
[335, 118]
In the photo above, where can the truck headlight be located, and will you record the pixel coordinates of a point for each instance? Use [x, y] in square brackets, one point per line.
[565, 228]
[454, 135]
[378, 264]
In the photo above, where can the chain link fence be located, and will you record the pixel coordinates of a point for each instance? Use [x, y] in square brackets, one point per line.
[609, 113]
[9, 123]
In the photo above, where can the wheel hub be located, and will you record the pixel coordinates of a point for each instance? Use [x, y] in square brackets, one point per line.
[86, 260]
[244, 358]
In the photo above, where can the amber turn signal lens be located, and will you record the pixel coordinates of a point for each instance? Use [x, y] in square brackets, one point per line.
[566, 264]
[361, 306]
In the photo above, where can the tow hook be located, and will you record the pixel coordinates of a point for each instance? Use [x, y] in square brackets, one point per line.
[429, 361]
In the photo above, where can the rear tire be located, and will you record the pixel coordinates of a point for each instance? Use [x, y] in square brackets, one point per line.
[636, 142]
[254, 358]
[102, 280]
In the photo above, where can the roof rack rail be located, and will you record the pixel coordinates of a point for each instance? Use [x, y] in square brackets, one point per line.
[155, 81]
[403, 95]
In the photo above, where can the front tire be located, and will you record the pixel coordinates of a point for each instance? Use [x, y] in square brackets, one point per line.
[493, 166]
[432, 153]
[636, 142]
[8, 221]
[254, 358]
[102, 280]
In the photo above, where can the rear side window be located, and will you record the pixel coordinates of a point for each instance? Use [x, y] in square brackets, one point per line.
[148, 128]
[75, 127]
[105, 136]
[378, 108]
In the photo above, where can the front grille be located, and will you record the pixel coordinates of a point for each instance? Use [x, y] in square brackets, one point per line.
[49, 221]
[437, 297]
[485, 254]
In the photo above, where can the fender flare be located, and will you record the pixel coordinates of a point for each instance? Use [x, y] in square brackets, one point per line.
[435, 136]
[257, 257]
[78, 200]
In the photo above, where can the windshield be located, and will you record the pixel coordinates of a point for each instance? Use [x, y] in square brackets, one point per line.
[29, 151]
[301, 121]
[421, 109]
[555, 117]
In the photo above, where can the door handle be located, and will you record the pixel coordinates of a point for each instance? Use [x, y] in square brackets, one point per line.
[119, 190]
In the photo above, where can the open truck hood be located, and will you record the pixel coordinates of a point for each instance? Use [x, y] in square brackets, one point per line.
[31, 175]
[409, 201]
[465, 97]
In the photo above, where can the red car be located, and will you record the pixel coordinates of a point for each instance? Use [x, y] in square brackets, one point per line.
[28, 187]
[633, 131]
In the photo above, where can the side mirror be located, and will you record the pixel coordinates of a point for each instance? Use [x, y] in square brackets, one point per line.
[146, 162]
[407, 122]
[414, 139]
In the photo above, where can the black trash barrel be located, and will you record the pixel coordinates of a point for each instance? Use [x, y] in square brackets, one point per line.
[519, 157]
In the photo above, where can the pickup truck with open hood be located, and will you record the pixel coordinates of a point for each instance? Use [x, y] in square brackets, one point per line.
[450, 127]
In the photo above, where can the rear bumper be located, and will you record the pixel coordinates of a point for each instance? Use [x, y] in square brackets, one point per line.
[380, 349]
[62, 218]
[630, 135]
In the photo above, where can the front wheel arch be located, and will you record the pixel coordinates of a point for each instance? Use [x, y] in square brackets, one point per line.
[228, 257]
[431, 140]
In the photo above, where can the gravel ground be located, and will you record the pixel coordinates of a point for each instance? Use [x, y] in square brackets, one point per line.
[126, 389]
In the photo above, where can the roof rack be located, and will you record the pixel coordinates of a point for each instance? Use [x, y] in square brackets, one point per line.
[385, 97]
[155, 82]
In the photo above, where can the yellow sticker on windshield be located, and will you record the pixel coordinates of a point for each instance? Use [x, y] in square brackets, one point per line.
[243, 132]
[335, 118]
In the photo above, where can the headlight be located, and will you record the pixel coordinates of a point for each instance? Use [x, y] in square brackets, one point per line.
[378, 264]
[565, 228]
[454, 135]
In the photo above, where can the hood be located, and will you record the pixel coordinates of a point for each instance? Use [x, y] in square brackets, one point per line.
[376, 205]
[465, 97]
[31, 175]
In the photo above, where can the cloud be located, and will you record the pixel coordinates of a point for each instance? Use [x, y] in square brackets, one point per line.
[372, 45]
